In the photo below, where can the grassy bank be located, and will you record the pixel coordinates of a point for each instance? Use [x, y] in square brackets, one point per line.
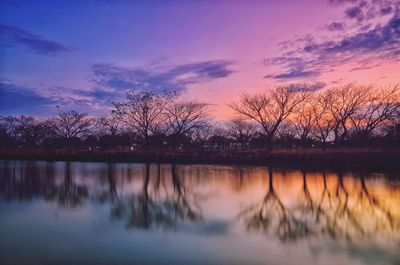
[371, 159]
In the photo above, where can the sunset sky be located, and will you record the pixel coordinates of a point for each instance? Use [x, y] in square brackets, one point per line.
[82, 54]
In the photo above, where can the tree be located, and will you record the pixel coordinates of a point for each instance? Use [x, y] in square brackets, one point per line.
[343, 104]
[219, 138]
[144, 112]
[23, 130]
[4, 137]
[200, 136]
[109, 124]
[269, 108]
[71, 124]
[36, 133]
[383, 106]
[185, 116]
[13, 124]
[241, 130]
[324, 122]
[9, 129]
[304, 121]
[391, 131]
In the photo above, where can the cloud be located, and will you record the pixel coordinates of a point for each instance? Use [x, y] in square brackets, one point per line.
[354, 12]
[360, 10]
[384, 39]
[204, 71]
[294, 74]
[341, 2]
[111, 83]
[33, 43]
[294, 67]
[386, 10]
[111, 80]
[306, 86]
[15, 98]
[363, 45]
[366, 66]
[335, 26]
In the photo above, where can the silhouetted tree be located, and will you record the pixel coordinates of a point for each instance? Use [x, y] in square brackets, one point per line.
[269, 108]
[241, 131]
[304, 121]
[24, 131]
[343, 104]
[144, 112]
[184, 117]
[109, 124]
[71, 124]
[381, 109]
[324, 123]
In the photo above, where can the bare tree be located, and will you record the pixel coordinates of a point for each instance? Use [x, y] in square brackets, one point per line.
[143, 112]
[270, 108]
[184, 117]
[70, 124]
[25, 130]
[324, 121]
[241, 130]
[109, 124]
[13, 125]
[36, 132]
[383, 106]
[304, 121]
[199, 136]
[344, 103]
[219, 138]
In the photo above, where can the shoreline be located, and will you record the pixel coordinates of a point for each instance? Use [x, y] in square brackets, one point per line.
[337, 159]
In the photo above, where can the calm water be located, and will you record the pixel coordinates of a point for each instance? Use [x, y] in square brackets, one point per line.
[98, 213]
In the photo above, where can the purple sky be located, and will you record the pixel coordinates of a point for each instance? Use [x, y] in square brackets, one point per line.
[82, 54]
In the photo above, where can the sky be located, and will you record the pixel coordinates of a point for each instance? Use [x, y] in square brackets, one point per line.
[82, 55]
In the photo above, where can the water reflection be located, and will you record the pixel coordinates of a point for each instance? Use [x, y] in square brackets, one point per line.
[319, 211]
[343, 212]
[156, 204]
[273, 214]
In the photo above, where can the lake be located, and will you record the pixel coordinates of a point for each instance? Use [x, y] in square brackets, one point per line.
[127, 213]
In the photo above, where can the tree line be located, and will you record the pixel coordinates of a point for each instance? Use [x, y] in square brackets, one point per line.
[284, 116]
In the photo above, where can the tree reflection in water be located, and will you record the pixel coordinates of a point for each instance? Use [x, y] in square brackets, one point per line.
[159, 208]
[69, 193]
[111, 193]
[342, 215]
[272, 214]
[24, 181]
[340, 206]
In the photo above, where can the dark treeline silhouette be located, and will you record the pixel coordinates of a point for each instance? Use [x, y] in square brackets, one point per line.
[283, 117]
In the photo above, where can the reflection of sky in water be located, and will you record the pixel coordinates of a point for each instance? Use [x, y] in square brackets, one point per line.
[80, 213]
